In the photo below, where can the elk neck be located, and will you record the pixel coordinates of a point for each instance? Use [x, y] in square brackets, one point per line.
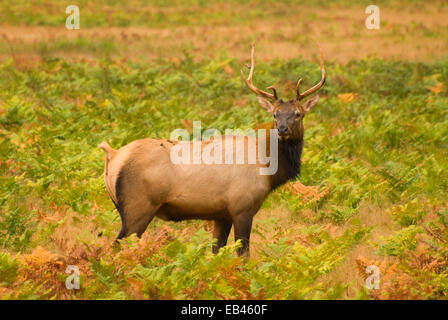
[289, 155]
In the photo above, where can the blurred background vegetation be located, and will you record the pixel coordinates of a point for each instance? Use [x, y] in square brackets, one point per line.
[32, 30]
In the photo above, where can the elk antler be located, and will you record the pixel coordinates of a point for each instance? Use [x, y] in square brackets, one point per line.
[249, 80]
[317, 86]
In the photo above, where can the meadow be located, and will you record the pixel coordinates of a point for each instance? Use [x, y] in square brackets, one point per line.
[374, 182]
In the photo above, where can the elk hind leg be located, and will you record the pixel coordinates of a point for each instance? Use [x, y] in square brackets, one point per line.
[135, 218]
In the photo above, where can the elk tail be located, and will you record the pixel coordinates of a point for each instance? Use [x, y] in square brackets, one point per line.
[109, 153]
[107, 148]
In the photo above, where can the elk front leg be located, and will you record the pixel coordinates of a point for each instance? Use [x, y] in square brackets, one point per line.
[242, 227]
[221, 233]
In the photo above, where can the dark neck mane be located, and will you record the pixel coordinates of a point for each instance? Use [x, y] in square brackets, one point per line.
[289, 155]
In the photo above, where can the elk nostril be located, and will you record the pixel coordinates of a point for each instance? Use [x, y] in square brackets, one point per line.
[282, 129]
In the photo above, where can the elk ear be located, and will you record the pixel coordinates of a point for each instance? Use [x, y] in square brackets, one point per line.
[266, 104]
[309, 104]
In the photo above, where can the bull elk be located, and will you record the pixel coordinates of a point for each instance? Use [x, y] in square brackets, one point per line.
[143, 182]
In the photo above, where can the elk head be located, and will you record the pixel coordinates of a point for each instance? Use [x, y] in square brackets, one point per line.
[288, 115]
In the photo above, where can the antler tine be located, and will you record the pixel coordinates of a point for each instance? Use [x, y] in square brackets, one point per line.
[274, 90]
[317, 86]
[249, 79]
[298, 88]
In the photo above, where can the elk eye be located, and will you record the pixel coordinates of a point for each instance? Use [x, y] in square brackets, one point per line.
[297, 114]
